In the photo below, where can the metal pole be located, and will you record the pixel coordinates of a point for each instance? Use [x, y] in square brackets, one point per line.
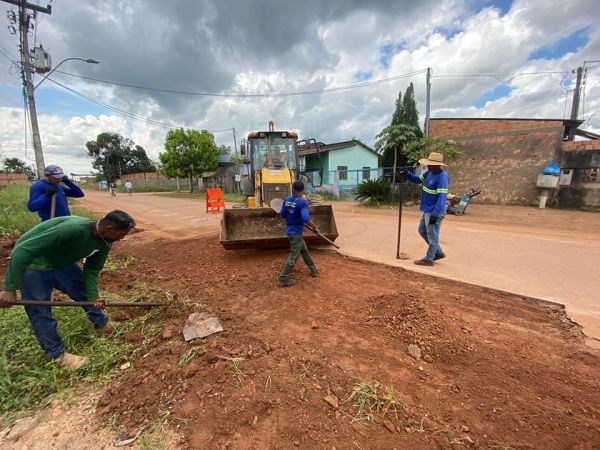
[401, 197]
[428, 101]
[80, 304]
[37, 141]
[237, 162]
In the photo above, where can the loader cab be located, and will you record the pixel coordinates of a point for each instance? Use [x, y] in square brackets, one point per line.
[273, 159]
[273, 150]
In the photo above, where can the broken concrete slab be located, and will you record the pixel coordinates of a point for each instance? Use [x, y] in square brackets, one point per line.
[200, 325]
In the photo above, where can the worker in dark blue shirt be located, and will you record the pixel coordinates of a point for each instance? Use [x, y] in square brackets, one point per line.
[433, 204]
[295, 211]
[42, 191]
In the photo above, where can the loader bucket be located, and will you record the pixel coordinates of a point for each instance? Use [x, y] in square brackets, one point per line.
[264, 228]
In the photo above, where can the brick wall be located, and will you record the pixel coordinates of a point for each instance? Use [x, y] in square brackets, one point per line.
[13, 178]
[580, 146]
[501, 156]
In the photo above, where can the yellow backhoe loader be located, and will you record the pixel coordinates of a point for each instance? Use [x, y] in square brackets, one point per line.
[274, 166]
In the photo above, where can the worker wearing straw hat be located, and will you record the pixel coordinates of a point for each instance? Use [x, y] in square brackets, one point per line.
[433, 204]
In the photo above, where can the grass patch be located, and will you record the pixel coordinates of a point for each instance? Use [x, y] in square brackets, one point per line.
[368, 400]
[229, 197]
[191, 355]
[15, 218]
[116, 263]
[27, 378]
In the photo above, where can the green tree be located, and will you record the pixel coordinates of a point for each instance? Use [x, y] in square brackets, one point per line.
[410, 113]
[422, 147]
[15, 165]
[189, 153]
[115, 155]
[391, 140]
[406, 113]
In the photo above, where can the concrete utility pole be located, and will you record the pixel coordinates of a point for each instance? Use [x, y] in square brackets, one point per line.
[575, 106]
[428, 101]
[24, 18]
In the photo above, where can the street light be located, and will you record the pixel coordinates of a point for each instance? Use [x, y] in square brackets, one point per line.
[89, 61]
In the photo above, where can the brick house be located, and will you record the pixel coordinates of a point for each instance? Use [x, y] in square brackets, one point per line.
[504, 156]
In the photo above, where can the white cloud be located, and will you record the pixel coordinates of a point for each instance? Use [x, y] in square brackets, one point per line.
[301, 46]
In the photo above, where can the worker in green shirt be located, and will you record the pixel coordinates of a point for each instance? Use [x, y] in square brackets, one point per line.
[46, 257]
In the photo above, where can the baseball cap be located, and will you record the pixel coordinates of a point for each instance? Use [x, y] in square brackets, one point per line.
[54, 172]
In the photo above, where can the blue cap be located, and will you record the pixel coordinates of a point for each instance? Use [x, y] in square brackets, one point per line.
[54, 172]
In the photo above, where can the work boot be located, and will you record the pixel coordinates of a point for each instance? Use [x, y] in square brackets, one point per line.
[70, 361]
[423, 262]
[314, 273]
[286, 283]
[439, 256]
[105, 330]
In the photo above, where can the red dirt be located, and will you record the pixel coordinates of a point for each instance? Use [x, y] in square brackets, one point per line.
[503, 370]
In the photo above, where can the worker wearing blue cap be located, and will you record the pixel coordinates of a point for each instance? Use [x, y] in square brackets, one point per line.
[57, 185]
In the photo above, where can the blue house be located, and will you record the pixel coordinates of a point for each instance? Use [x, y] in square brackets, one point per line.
[349, 163]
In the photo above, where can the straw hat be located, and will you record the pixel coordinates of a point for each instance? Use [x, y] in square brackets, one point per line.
[434, 159]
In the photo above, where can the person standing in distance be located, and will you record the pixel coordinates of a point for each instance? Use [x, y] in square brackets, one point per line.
[128, 187]
[433, 204]
[112, 187]
[295, 212]
[42, 191]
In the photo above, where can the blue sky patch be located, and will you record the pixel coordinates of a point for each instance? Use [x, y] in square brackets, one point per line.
[387, 51]
[51, 101]
[556, 49]
[498, 92]
[363, 76]
[503, 5]
[448, 33]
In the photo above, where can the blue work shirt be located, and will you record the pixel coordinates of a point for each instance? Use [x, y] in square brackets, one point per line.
[435, 191]
[42, 204]
[295, 212]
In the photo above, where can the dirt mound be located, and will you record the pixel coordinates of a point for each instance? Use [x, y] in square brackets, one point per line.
[326, 363]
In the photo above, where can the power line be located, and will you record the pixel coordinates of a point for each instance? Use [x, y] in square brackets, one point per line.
[498, 76]
[125, 113]
[239, 95]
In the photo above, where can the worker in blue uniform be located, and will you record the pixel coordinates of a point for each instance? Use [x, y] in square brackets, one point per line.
[54, 183]
[433, 205]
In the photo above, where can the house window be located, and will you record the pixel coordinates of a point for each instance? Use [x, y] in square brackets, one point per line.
[343, 170]
[366, 173]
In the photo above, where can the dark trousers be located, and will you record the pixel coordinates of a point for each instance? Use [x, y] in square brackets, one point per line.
[297, 247]
[38, 285]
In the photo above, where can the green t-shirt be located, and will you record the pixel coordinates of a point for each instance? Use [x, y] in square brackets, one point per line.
[55, 244]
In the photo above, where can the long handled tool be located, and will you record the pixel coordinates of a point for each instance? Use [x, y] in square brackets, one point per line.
[53, 206]
[276, 204]
[79, 304]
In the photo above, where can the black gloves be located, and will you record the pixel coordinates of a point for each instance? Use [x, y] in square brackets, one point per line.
[52, 189]
[433, 220]
[65, 179]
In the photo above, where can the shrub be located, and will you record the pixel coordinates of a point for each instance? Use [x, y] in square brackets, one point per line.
[373, 192]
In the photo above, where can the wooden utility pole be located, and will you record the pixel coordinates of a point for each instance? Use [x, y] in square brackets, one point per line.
[24, 23]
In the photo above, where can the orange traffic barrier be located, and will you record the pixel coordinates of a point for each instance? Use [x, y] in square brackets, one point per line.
[214, 200]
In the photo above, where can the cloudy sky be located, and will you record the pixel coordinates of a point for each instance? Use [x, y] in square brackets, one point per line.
[233, 48]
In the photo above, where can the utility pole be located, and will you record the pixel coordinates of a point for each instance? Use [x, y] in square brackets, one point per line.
[575, 106]
[24, 21]
[428, 101]
[237, 161]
